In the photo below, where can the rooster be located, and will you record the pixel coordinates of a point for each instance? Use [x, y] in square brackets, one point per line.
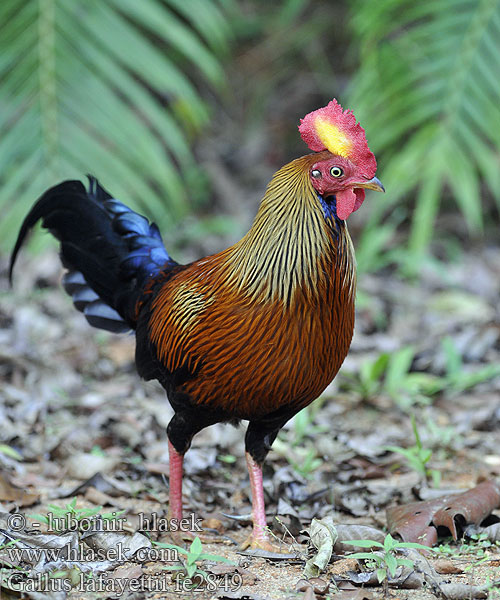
[255, 332]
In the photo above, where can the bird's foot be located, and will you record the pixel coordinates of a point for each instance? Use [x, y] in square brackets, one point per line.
[260, 540]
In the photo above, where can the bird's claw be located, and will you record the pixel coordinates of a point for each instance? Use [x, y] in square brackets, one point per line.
[261, 541]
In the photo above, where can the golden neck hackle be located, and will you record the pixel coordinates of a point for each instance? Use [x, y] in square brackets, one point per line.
[290, 245]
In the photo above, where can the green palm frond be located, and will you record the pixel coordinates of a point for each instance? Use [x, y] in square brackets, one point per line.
[428, 93]
[106, 87]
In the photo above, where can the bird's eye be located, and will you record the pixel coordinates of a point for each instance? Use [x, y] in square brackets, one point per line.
[336, 172]
[316, 173]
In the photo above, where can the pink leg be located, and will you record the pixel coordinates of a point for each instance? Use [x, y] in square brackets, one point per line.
[175, 461]
[259, 537]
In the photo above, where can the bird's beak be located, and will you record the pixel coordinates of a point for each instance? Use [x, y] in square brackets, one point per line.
[372, 184]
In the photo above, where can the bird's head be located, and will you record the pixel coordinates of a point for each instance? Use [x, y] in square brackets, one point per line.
[345, 165]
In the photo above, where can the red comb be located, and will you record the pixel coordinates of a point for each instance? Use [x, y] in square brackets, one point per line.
[331, 128]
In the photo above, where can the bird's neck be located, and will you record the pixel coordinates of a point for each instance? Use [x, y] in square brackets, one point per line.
[293, 247]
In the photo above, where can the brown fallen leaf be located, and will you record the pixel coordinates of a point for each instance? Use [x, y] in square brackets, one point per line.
[343, 565]
[418, 521]
[319, 586]
[221, 569]
[213, 523]
[9, 493]
[309, 594]
[405, 578]
[347, 532]
[462, 591]
[129, 571]
[446, 566]
[159, 468]
[103, 483]
[348, 591]
[130, 544]
[121, 351]
[97, 497]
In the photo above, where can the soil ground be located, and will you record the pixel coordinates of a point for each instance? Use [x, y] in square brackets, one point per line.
[86, 427]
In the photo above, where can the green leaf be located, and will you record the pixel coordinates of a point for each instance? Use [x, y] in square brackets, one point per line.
[112, 515]
[41, 518]
[389, 542]
[191, 570]
[397, 369]
[364, 543]
[109, 88]
[412, 545]
[428, 96]
[196, 548]
[216, 558]
[391, 562]
[365, 556]
[11, 452]
[405, 562]
[172, 547]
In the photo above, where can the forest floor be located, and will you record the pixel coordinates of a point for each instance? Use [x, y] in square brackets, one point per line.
[76, 422]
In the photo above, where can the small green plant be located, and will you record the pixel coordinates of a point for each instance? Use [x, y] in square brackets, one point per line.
[296, 443]
[5, 561]
[97, 451]
[492, 587]
[229, 459]
[303, 423]
[367, 382]
[459, 380]
[442, 437]
[477, 546]
[10, 452]
[72, 576]
[303, 459]
[61, 518]
[390, 375]
[417, 457]
[189, 567]
[306, 461]
[383, 556]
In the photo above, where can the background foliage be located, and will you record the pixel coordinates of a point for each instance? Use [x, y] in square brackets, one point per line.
[131, 91]
[428, 92]
[114, 88]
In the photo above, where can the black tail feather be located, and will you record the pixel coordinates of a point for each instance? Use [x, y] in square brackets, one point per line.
[109, 250]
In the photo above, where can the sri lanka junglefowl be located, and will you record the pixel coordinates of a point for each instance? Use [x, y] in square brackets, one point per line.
[255, 332]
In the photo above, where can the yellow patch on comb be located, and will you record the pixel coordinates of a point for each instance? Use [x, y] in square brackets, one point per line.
[333, 138]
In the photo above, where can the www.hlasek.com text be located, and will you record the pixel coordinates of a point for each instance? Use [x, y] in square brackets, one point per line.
[80, 554]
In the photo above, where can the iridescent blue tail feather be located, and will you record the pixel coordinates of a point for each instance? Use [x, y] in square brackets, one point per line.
[110, 251]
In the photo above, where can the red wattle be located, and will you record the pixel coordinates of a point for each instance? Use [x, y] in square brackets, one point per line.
[346, 201]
